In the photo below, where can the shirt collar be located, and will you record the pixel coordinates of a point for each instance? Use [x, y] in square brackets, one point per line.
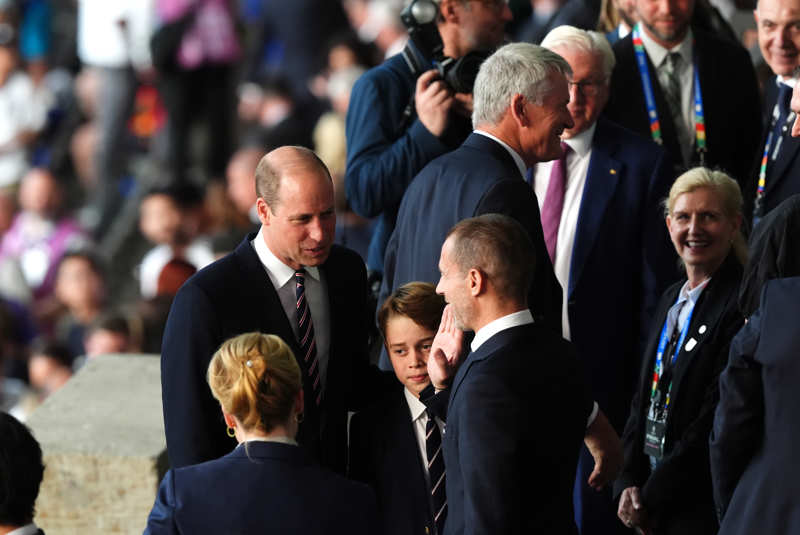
[517, 158]
[27, 529]
[279, 273]
[787, 80]
[692, 295]
[515, 319]
[279, 440]
[657, 53]
[416, 407]
[582, 143]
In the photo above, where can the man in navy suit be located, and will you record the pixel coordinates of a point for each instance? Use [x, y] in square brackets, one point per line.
[255, 289]
[671, 60]
[606, 237]
[520, 110]
[779, 40]
[518, 404]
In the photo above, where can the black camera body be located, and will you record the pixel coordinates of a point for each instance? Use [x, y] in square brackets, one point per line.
[458, 73]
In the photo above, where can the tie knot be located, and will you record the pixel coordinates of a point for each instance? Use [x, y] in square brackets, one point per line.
[300, 275]
[565, 149]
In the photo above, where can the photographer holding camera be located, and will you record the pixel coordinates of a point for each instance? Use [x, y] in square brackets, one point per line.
[416, 105]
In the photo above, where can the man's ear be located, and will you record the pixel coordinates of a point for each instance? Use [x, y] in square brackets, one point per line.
[263, 211]
[519, 110]
[476, 282]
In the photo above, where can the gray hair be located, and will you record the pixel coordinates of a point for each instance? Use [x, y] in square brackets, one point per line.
[572, 38]
[514, 69]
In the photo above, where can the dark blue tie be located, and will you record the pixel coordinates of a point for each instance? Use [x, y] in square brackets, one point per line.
[305, 336]
[433, 449]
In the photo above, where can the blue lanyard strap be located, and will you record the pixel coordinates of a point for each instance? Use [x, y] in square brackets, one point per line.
[662, 345]
[650, 100]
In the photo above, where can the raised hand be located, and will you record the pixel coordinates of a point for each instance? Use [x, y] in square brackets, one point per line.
[446, 350]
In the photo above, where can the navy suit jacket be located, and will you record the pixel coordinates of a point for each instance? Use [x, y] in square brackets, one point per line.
[515, 423]
[233, 296]
[783, 174]
[267, 487]
[677, 494]
[384, 453]
[727, 81]
[755, 437]
[480, 177]
[622, 261]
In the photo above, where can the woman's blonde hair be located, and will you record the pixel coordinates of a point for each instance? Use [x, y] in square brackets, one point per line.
[724, 186]
[255, 378]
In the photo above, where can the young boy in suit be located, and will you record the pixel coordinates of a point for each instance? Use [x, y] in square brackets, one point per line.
[390, 441]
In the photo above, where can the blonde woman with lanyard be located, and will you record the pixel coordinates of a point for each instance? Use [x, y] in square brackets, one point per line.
[267, 484]
[665, 484]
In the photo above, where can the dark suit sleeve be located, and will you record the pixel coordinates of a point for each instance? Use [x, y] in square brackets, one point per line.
[515, 198]
[490, 452]
[739, 420]
[358, 465]
[748, 119]
[689, 455]
[192, 420]
[161, 520]
[381, 161]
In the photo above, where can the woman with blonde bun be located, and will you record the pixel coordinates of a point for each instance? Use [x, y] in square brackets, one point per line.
[267, 484]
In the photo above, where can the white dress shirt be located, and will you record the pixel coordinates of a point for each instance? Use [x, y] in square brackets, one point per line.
[515, 319]
[517, 158]
[577, 169]
[316, 289]
[419, 420]
[658, 54]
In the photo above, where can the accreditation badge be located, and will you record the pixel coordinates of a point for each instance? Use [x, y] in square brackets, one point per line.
[654, 432]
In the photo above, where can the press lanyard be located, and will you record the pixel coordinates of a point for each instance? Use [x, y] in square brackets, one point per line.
[649, 97]
[662, 345]
[762, 171]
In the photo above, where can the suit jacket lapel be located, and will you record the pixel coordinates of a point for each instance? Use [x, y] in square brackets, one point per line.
[707, 313]
[403, 434]
[601, 183]
[272, 319]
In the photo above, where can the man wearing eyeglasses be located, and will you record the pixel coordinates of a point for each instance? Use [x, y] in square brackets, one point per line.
[608, 244]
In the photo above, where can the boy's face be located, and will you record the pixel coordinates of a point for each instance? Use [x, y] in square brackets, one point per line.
[408, 345]
[77, 284]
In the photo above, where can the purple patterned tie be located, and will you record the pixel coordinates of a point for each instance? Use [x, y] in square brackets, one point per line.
[305, 336]
[554, 202]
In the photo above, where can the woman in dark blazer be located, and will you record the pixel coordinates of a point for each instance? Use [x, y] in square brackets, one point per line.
[267, 484]
[665, 485]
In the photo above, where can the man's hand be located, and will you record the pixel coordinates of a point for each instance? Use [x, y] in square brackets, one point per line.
[463, 104]
[606, 448]
[446, 350]
[795, 105]
[632, 512]
[433, 100]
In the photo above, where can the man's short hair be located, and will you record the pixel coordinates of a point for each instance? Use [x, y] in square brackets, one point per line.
[21, 472]
[268, 175]
[499, 247]
[515, 69]
[573, 38]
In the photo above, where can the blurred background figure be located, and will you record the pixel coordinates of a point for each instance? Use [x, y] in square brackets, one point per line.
[170, 218]
[107, 335]
[617, 18]
[49, 367]
[41, 233]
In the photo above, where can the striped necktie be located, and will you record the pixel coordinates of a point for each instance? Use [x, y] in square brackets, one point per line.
[433, 449]
[305, 336]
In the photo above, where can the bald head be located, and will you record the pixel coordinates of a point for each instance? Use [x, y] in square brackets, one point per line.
[280, 162]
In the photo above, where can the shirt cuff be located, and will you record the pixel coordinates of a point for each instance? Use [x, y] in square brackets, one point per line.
[593, 415]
